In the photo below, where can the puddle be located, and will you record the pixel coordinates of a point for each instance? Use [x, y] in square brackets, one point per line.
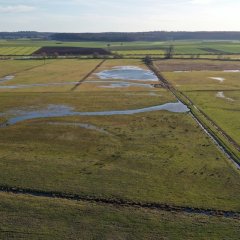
[128, 68]
[221, 95]
[36, 85]
[231, 71]
[128, 73]
[145, 94]
[126, 85]
[117, 84]
[81, 125]
[154, 94]
[64, 111]
[220, 79]
[7, 78]
[101, 81]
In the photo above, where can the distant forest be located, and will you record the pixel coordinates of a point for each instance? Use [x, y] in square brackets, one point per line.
[123, 36]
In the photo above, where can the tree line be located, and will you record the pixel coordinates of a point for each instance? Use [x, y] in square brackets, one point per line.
[123, 36]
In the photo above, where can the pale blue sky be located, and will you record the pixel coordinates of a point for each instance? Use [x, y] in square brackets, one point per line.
[119, 15]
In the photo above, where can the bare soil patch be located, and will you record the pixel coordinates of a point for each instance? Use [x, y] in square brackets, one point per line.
[50, 51]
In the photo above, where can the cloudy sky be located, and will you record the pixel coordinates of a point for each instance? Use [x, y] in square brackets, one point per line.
[119, 15]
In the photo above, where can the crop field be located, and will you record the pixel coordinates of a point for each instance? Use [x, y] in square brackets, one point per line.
[98, 149]
[141, 52]
[13, 51]
[209, 48]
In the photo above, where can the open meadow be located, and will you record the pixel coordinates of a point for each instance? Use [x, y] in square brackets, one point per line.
[214, 90]
[99, 148]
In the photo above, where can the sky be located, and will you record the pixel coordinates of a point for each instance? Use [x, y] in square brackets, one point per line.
[119, 15]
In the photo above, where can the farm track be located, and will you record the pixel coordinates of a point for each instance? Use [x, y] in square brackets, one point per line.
[88, 75]
[181, 96]
[122, 202]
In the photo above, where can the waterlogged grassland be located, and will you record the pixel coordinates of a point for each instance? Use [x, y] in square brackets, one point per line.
[95, 83]
[52, 72]
[40, 218]
[196, 65]
[58, 71]
[215, 92]
[190, 75]
[204, 80]
[121, 62]
[109, 87]
[85, 101]
[160, 156]
[223, 107]
[110, 64]
[10, 67]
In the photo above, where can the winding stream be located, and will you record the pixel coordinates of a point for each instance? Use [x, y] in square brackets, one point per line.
[17, 116]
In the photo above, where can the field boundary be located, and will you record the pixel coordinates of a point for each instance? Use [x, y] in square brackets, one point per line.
[214, 124]
[88, 75]
[25, 70]
[121, 202]
[228, 151]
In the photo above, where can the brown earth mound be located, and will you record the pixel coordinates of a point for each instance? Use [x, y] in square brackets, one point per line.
[50, 51]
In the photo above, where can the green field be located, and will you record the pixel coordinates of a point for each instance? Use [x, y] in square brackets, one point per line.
[10, 67]
[159, 157]
[62, 219]
[223, 109]
[54, 76]
[21, 51]
[27, 47]
[215, 92]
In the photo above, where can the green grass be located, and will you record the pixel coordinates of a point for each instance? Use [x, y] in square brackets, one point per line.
[203, 91]
[222, 110]
[200, 73]
[141, 52]
[190, 172]
[181, 47]
[11, 67]
[54, 71]
[12, 51]
[25, 217]
[160, 157]
[203, 80]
